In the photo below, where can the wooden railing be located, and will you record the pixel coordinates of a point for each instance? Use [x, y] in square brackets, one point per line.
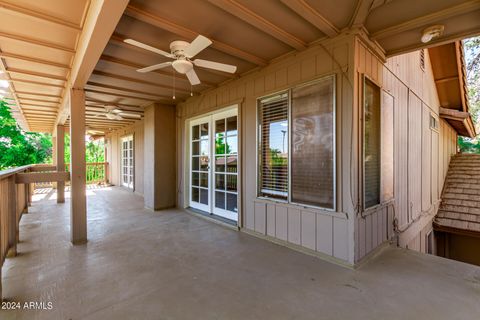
[96, 172]
[14, 201]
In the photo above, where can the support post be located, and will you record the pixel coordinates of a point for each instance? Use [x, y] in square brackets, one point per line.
[12, 217]
[54, 157]
[60, 161]
[78, 210]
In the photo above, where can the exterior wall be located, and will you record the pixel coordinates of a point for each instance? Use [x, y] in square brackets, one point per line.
[322, 232]
[421, 155]
[114, 154]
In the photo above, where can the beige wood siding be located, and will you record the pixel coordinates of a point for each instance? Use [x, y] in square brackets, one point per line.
[324, 232]
[421, 155]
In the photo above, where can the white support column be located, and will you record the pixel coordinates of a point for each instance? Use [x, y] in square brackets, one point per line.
[78, 211]
[60, 161]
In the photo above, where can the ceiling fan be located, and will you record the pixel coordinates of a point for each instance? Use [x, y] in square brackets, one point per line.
[183, 52]
[113, 113]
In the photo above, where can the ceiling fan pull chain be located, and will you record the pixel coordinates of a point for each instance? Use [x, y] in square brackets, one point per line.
[173, 73]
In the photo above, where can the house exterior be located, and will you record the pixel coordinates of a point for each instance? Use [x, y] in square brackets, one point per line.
[333, 136]
[362, 150]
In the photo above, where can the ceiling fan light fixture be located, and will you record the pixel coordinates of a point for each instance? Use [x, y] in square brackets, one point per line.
[182, 66]
[432, 32]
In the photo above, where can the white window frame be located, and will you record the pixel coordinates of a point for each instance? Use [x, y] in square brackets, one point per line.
[258, 140]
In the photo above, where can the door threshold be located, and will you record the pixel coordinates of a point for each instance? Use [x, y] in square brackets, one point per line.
[232, 224]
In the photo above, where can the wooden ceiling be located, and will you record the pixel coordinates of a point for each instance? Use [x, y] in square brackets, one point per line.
[246, 33]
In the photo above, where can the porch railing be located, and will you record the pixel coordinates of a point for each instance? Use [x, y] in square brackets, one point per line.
[96, 172]
[14, 201]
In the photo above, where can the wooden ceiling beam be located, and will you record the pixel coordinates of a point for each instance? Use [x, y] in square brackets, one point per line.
[39, 108]
[118, 95]
[41, 43]
[102, 109]
[135, 66]
[38, 15]
[307, 12]
[32, 59]
[37, 94]
[150, 83]
[106, 86]
[186, 33]
[46, 84]
[51, 103]
[27, 112]
[35, 74]
[362, 10]
[36, 105]
[91, 101]
[422, 21]
[243, 13]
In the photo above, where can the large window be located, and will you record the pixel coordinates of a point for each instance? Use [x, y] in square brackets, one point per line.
[297, 145]
[371, 144]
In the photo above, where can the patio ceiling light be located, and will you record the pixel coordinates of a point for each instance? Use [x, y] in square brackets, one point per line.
[432, 32]
[4, 84]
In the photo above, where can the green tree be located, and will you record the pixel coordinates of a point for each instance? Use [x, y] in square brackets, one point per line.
[18, 148]
[472, 60]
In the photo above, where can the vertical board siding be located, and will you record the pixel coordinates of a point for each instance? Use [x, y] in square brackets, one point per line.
[421, 157]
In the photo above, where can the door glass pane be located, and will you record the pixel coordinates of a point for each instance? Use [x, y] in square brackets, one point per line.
[220, 127]
[204, 196]
[231, 147]
[204, 163]
[195, 163]
[204, 180]
[195, 179]
[196, 132]
[195, 194]
[195, 148]
[220, 164]
[203, 147]
[231, 164]
[231, 182]
[312, 171]
[232, 202]
[220, 181]
[232, 126]
[220, 200]
[204, 130]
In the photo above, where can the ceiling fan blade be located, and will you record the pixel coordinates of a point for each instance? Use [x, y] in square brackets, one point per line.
[117, 117]
[192, 77]
[215, 65]
[155, 67]
[196, 46]
[130, 115]
[147, 47]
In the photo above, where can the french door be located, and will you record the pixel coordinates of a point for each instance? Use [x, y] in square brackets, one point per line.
[127, 162]
[214, 164]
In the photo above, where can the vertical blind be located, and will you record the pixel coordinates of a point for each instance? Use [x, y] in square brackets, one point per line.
[273, 150]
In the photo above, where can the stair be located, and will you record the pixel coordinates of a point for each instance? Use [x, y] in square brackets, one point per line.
[460, 207]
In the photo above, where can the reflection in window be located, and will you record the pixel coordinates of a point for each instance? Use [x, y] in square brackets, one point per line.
[313, 144]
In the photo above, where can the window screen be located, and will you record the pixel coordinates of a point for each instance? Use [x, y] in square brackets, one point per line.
[371, 144]
[312, 172]
[273, 148]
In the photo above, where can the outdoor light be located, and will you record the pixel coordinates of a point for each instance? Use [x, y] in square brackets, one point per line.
[4, 84]
[432, 32]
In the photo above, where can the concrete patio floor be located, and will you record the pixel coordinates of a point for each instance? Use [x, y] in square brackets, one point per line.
[140, 264]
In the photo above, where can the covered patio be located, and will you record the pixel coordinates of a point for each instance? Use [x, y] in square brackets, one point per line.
[173, 265]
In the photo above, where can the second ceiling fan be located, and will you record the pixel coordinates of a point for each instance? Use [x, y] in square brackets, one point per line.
[182, 52]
